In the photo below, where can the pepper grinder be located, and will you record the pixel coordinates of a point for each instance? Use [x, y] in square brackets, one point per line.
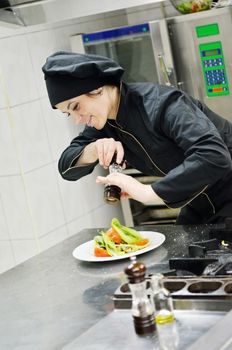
[112, 193]
[142, 308]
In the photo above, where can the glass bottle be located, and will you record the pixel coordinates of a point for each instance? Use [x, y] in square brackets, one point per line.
[142, 308]
[164, 314]
[162, 300]
[112, 193]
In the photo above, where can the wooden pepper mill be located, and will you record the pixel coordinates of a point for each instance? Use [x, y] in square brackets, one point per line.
[112, 193]
[142, 308]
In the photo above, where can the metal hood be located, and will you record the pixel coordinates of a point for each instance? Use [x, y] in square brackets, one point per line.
[32, 12]
[21, 12]
[5, 4]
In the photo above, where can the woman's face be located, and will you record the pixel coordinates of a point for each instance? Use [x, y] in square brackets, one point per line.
[92, 109]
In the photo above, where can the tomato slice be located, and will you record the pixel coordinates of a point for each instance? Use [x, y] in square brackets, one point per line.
[114, 236]
[143, 242]
[100, 252]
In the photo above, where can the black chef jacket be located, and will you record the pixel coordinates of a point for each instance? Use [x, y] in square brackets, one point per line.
[169, 134]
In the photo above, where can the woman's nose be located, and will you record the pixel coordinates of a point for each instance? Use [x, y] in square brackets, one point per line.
[79, 118]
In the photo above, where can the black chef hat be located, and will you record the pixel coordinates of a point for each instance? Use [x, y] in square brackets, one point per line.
[69, 74]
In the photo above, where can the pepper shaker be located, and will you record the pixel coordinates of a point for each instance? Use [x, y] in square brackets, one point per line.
[142, 308]
[112, 193]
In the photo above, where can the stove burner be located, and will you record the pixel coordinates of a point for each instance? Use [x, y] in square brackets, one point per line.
[211, 247]
[222, 232]
[209, 257]
[195, 266]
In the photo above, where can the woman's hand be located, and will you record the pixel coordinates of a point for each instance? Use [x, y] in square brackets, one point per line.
[106, 148]
[103, 150]
[135, 189]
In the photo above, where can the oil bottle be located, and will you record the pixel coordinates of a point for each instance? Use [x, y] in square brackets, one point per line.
[164, 314]
[142, 308]
[112, 193]
[162, 300]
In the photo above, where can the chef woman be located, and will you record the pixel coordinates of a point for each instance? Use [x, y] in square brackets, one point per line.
[158, 130]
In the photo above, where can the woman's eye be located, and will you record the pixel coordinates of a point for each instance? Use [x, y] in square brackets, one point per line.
[76, 107]
[72, 108]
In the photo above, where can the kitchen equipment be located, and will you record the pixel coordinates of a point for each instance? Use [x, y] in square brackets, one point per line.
[131, 46]
[186, 290]
[203, 55]
[211, 257]
[205, 272]
[191, 52]
[112, 193]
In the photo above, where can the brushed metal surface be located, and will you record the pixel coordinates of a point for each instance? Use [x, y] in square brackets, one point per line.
[186, 54]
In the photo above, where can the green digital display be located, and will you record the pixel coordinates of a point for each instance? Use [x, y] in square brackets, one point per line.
[212, 52]
[207, 30]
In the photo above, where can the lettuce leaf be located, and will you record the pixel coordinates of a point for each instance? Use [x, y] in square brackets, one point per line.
[128, 235]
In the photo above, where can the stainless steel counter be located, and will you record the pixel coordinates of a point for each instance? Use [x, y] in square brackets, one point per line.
[53, 301]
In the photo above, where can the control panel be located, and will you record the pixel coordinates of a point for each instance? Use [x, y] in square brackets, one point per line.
[212, 60]
[214, 69]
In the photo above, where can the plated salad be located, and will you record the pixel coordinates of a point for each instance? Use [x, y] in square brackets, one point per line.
[193, 6]
[118, 240]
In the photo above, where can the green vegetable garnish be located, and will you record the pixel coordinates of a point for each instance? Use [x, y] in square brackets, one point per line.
[130, 240]
[128, 235]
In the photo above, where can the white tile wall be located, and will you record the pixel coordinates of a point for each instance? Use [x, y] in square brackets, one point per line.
[62, 35]
[31, 136]
[15, 201]
[45, 199]
[4, 229]
[8, 158]
[99, 218]
[54, 237]
[41, 45]
[60, 129]
[16, 71]
[6, 256]
[103, 215]
[73, 197]
[94, 191]
[24, 249]
[78, 224]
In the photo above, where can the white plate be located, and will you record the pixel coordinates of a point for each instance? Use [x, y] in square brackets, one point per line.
[85, 251]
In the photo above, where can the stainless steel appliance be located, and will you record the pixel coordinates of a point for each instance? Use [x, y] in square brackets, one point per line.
[204, 271]
[128, 45]
[202, 51]
[192, 52]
